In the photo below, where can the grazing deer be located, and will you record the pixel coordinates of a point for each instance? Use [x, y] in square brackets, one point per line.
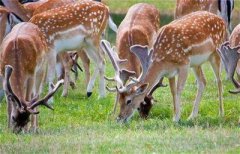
[72, 27]
[139, 26]
[23, 65]
[230, 55]
[41, 6]
[67, 62]
[186, 42]
[223, 8]
[7, 21]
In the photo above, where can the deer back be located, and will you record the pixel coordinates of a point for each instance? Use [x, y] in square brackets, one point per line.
[87, 17]
[235, 37]
[23, 48]
[51, 4]
[138, 27]
[177, 40]
[184, 7]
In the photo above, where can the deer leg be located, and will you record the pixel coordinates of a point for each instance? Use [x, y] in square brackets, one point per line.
[98, 59]
[101, 76]
[201, 81]
[66, 80]
[92, 54]
[51, 71]
[86, 65]
[29, 95]
[9, 111]
[216, 65]
[173, 89]
[182, 77]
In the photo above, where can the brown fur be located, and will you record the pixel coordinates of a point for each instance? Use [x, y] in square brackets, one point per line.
[3, 22]
[48, 28]
[18, 9]
[138, 27]
[184, 7]
[175, 44]
[25, 50]
[88, 17]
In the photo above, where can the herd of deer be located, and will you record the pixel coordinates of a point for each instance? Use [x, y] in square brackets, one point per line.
[44, 38]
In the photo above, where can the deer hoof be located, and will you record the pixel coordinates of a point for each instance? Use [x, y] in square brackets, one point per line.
[89, 94]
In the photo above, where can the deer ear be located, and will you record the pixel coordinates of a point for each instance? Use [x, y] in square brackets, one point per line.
[141, 89]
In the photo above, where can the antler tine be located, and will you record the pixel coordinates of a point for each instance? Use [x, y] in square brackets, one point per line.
[109, 79]
[144, 56]
[115, 104]
[74, 58]
[7, 85]
[125, 75]
[236, 91]
[47, 97]
[159, 84]
[111, 89]
[226, 43]
[121, 76]
[106, 47]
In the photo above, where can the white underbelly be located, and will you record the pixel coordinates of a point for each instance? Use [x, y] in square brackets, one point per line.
[71, 43]
[197, 60]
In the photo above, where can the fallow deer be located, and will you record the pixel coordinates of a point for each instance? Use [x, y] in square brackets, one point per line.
[139, 26]
[23, 65]
[7, 21]
[72, 27]
[230, 54]
[187, 42]
[67, 62]
[223, 8]
[41, 6]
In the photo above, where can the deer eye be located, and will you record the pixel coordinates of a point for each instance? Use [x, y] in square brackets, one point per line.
[14, 119]
[129, 101]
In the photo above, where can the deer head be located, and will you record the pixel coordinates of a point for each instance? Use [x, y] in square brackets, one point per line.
[230, 57]
[128, 88]
[22, 109]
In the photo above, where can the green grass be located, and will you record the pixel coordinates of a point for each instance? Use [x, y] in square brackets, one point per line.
[164, 6]
[82, 125]
[79, 124]
[121, 6]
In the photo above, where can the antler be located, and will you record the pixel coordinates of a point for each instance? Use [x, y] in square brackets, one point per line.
[159, 84]
[236, 91]
[230, 57]
[7, 86]
[121, 75]
[144, 56]
[46, 98]
[75, 66]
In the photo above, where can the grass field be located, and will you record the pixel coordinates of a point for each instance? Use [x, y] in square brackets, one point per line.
[85, 125]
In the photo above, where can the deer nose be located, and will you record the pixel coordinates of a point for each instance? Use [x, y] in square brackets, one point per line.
[119, 119]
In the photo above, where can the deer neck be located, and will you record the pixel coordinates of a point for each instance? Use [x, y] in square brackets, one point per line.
[154, 74]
